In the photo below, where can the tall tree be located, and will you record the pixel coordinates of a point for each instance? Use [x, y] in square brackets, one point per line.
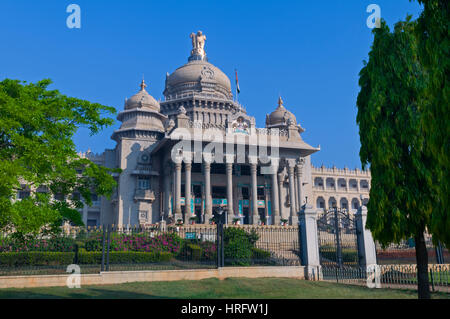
[394, 84]
[434, 45]
[37, 150]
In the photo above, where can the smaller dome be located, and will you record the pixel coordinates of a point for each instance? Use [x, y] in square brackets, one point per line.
[280, 117]
[142, 100]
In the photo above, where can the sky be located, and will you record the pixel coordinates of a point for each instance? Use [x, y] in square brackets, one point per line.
[309, 52]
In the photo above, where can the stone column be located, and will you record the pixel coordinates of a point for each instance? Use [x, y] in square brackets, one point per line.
[299, 183]
[208, 199]
[255, 216]
[280, 194]
[178, 214]
[275, 196]
[187, 192]
[167, 205]
[296, 191]
[309, 242]
[230, 211]
[366, 245]
[293, 217]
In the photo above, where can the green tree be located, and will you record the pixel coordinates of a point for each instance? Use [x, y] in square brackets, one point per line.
[36, 149]
[434, 46]
[394, 85]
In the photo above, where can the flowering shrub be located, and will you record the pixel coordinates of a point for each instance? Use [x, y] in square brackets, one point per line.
[56, 244]
[167, 242]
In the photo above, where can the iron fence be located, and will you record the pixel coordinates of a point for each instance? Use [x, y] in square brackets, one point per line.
[111, 248]
[338, 240]
[389, 276]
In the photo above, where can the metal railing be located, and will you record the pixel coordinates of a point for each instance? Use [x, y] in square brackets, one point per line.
[111, 248]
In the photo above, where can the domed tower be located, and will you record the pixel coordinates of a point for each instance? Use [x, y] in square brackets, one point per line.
[201, 88]
[138, 184]
[283, 119]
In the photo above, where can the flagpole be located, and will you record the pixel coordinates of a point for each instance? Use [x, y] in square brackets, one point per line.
[236, 85]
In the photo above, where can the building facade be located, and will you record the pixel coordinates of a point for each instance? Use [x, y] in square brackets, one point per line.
[198, 150]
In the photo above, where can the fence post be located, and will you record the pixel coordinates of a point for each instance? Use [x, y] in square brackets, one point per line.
[366, 244]
[108, 247]
[309, 242]
[103, 248]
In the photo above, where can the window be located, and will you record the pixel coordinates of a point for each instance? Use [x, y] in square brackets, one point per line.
[245, 170]
[197, 190]
[143, 183]
[219, 192]
[196, 168]
[76, 196]
[245, 194]
[23, 194]
[218, 169]
[260, 193]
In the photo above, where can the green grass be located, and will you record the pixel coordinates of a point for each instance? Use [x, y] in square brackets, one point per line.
[267, 288]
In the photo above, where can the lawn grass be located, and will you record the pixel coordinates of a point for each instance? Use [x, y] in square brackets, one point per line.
[266, 288]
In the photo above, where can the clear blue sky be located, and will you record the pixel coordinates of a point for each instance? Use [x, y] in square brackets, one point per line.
[310, 52]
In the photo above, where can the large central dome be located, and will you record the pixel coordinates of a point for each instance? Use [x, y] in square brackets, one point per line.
[198, 76]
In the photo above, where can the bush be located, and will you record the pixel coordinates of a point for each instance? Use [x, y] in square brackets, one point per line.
[167, 242]
[190, 251]
[36, 258]
[260, 253]
[123, 257]
[55, 244]
[238, 245]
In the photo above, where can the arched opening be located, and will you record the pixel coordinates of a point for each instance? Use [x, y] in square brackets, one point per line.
[342, 184]
[332, 202]
[343, 203]
[364, 184]
[355, 203]
[320, 203]
[331, 183]
[353, 185]
[318, 182]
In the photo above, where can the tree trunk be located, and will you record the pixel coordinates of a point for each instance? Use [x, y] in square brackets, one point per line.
[423, 284]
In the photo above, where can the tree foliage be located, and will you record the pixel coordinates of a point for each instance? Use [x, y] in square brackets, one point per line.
[36, 149]
[392, 140]
[434, 45]
[403, 118]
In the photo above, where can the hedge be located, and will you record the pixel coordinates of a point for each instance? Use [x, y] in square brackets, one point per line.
[36, 258]
[258, 253]
[123, 257]
[191, 252]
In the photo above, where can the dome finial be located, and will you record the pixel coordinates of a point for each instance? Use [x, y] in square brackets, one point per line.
[280, 102]
[143, 85]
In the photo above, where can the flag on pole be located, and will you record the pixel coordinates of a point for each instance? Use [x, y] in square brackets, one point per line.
[238, 90]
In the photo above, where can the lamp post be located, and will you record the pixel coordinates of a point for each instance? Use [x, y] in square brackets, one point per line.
[220, 219]
[338, 238]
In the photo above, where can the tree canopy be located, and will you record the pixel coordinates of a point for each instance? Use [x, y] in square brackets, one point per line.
[403, 118]
[37, 151]
[434, 45]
